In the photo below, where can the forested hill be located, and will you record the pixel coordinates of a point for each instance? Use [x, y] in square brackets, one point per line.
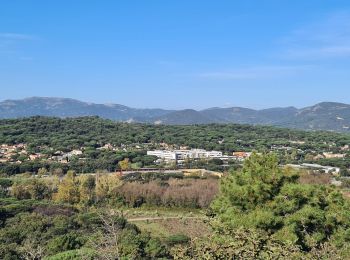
[329, 116]
[70, 133]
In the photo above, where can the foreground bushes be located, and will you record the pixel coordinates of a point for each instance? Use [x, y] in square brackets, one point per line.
[260, 212]
[252, 245]
[265, 197]
[263, 212]
[62, 233]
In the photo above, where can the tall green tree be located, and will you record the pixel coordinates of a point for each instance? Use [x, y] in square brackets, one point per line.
[267, 198]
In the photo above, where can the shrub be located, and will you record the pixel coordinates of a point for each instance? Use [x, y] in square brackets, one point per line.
[177, 239]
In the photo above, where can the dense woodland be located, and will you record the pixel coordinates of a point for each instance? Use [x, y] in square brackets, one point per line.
[70, 133]
[47, 135]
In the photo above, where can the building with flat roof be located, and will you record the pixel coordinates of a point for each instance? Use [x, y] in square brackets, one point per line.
[184, 154]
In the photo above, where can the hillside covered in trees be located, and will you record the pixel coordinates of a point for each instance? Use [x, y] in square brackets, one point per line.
[47, 136]
[93, 131]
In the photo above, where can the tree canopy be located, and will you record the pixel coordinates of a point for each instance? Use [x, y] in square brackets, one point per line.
[266, 197]
[263, 212]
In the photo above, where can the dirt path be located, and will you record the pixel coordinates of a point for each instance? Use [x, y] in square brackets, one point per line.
[160, 218]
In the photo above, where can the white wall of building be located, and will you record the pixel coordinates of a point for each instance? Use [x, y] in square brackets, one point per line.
[183, 154]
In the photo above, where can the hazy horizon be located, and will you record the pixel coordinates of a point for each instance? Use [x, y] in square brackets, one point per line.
[169, 108]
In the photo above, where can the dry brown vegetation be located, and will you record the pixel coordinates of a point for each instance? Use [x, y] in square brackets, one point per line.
[309, 177]
[197, 193]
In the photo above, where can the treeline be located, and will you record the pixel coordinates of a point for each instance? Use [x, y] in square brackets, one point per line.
[193, 193]
[88, 190]
[107, 161]
[71, 133]
[97, 160]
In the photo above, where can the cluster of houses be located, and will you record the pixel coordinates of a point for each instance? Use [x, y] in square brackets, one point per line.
[8, 152]
[18, 153]
[108, 146]
[62, 157]
[181, 155]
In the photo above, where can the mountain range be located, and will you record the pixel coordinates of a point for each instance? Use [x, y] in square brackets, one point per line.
[329, 116]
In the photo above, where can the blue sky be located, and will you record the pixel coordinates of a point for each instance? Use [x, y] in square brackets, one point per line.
[177, 54]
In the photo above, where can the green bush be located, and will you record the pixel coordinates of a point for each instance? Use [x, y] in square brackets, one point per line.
[83, 253]
[269, 199]
[177, 239]
[64, 242]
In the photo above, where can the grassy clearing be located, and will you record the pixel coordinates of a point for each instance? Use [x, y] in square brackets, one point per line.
[161, 212]
[167, 227]
[169, 221]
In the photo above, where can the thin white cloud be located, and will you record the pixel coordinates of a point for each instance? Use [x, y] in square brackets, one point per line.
[11, 43]
[254, 72]
[16, 36]
[328, 38]
[320, 53]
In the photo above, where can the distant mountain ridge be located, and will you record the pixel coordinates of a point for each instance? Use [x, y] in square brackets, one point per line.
[67, 107]
[329, 116]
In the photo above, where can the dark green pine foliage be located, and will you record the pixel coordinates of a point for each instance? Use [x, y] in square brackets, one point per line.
[269, 199]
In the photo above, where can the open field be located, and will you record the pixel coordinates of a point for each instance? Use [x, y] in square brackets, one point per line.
[165, 222]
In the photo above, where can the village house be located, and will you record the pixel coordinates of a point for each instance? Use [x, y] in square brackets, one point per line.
[35, 156]
[9, 152]
[333, 155]
[241, 155]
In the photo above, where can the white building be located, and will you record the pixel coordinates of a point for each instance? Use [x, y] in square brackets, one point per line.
[184, 154]
[214, 154]
[163, 154]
